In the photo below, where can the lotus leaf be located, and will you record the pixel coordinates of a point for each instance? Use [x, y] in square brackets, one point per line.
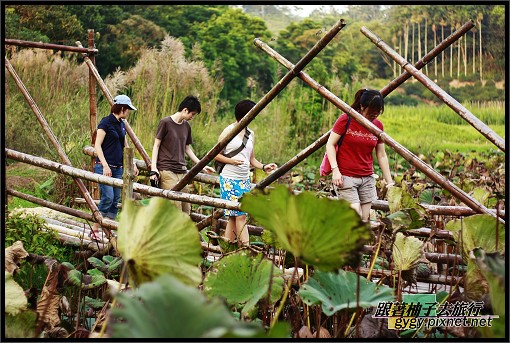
[322, 232]
[159, 239]
[479, 230]
[167, 308]
[407, 252]
[242, 281]
[337, 291]
[15, 299]
[93, 279]
[405, 219]
[399, 198]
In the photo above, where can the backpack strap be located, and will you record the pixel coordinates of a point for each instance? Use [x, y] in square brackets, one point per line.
[243, 144]
[346, 128]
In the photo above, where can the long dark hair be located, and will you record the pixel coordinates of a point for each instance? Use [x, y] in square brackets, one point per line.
[368, 98]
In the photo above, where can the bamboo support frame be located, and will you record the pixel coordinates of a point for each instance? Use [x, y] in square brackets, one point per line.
[94, 189]
[109, 97]
[261, 104]
[386, 90]
[84, 174]
[390, 87]
[397, 147]
[53, 139]
[480, 126]
[49, 46]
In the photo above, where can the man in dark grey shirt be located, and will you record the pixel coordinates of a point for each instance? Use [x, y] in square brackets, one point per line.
[173, 141]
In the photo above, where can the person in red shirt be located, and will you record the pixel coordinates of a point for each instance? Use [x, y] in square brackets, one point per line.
[353, 175]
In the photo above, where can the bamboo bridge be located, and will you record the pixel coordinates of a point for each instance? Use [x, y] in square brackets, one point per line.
[75, 232]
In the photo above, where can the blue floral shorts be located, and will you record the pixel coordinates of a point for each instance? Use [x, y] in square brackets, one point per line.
[232, 190]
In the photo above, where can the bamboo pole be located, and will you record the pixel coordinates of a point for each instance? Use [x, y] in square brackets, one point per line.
[438, 279]
[480, 126]
[261, 104]
[84, 174]
[252, 229]
[61, 208]
[128, 175]
[293, 161]
[94, 189]
[109, 97]
[390, 87]
[401, 150]
[201, 177]
[40, 45]
[431, 256]
[53, 139]
[456, 211]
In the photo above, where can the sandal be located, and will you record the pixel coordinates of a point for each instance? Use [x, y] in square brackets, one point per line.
[94, 236]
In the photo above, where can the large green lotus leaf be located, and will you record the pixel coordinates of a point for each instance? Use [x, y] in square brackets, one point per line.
[159, 239]
[338, 291]
[167, 308]
[322, 232]
[15, 299]
[478, 231]
[243, 280]
[407, 252]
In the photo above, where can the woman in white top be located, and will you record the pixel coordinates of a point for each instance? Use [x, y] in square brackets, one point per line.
[235, 175]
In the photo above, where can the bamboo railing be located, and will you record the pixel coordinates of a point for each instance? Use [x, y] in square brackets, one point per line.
[479, 125]
[91, 176]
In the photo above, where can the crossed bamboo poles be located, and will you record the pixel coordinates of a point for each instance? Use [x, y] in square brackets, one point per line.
[296, 70]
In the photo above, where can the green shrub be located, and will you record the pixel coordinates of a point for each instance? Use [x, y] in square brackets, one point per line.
[31, 231]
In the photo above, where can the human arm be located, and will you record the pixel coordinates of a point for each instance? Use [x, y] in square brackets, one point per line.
[195, 159]
[154, 161]
[222, 158]
[382, 158]
[331, 152]
[101, 134]
[126, 145]
[257, 164]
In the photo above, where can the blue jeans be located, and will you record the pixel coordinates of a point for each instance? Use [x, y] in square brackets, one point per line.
[110, 196]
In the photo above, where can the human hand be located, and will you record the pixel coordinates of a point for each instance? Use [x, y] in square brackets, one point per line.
[135, 169]
[337, 178]
[236, 162]
[270, 167]
[107, 171]
[208, 170]
[154, 174]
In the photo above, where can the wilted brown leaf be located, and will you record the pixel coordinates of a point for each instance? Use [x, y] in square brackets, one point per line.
[13, 256]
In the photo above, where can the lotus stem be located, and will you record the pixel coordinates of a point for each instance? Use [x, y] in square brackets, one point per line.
[375, 256]
[350, 324]
[282, 303]
[114, 302]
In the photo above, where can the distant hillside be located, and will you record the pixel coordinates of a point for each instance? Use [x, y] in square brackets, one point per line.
[277, 17]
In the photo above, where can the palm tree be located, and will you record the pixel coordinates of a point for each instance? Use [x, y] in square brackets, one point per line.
[425, 14]
[479, 19]
[443, 24]
[435, 42]
[474, 49]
